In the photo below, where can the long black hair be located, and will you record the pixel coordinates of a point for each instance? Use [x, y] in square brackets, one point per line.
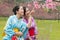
[16, 8]
[24, 8]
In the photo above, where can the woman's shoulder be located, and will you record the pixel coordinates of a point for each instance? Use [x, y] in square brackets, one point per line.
[11, 17]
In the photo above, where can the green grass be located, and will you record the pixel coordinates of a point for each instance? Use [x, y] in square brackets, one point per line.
[47, 29]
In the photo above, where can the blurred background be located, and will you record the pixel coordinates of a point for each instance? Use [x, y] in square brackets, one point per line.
[43, 12]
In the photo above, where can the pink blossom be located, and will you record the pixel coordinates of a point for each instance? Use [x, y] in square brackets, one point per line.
[29, 5]
[50, 4]
[36, 5]
[48, 1]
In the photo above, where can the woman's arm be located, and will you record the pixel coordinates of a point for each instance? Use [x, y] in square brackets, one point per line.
[29, 22]
[8, 28]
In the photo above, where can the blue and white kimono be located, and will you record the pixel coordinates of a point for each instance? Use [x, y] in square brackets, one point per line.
[14, 22]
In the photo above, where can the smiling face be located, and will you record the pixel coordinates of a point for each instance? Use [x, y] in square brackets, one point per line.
[27, 14]
[21, 11]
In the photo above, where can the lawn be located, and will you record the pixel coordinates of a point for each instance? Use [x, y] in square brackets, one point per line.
[47, 29]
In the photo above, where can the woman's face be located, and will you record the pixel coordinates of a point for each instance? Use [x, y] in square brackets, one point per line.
[21, 11]
[27, 14]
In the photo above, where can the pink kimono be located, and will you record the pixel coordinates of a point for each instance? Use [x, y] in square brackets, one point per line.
[32, 31]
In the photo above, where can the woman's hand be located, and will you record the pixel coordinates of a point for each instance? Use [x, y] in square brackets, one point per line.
[33, 11]
[30, 38]
[18, 33]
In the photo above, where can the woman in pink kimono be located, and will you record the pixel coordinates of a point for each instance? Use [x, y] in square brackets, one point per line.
[32, 31]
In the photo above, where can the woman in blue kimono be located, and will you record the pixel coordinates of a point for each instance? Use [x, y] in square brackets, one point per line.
[15, 21]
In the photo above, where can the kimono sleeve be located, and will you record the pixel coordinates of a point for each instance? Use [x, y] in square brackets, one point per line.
[8, 28]
[24, 29]
[35, 26]
[24, 26]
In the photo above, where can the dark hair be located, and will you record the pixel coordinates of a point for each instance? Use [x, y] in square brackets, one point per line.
[24, 8]
[16, 8]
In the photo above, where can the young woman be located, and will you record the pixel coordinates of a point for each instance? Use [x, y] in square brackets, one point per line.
[32, 31]
[15, 21]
